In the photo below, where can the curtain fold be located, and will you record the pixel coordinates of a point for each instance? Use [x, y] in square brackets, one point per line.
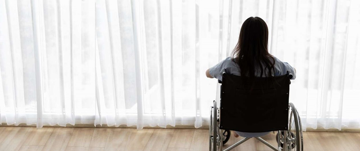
[142, 62]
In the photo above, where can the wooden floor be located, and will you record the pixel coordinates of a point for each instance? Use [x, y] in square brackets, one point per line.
[109, 139]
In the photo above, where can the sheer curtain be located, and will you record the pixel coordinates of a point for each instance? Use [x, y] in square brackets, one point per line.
[142, 62]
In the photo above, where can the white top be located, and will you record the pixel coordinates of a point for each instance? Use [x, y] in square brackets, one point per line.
[229, 66]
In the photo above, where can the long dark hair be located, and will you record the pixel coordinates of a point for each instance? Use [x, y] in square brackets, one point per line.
[251, 51]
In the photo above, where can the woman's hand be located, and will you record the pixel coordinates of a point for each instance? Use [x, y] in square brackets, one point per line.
[208, 74]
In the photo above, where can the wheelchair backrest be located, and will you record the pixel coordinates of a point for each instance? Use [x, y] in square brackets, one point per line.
[254, 104]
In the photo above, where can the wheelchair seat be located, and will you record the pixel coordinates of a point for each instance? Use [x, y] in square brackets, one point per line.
[253, 105]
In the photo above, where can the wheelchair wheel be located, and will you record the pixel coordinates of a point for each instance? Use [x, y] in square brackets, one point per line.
[212, 129]
[214, 132]
[294, 134]
[226, 136]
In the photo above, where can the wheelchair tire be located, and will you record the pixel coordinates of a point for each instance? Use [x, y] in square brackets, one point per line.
[295, 130]
[226, 136]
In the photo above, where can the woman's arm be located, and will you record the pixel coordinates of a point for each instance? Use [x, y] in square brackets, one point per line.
[217, 70]
[208, 74]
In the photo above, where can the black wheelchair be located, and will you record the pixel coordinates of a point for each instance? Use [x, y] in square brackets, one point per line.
[255, 105]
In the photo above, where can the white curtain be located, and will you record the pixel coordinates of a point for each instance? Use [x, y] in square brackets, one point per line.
[142, 62]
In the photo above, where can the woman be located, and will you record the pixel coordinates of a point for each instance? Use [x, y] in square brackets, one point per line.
[251, 58]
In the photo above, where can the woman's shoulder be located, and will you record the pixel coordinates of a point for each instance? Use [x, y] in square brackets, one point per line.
[278, 61]
[282, 68]
[230, 61]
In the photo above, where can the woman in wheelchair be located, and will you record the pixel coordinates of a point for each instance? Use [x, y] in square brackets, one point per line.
[251, 58]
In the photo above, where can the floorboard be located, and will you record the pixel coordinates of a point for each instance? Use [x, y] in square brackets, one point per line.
[129, 139]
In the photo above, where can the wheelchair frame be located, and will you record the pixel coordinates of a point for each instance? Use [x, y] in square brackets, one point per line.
[286, 139]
